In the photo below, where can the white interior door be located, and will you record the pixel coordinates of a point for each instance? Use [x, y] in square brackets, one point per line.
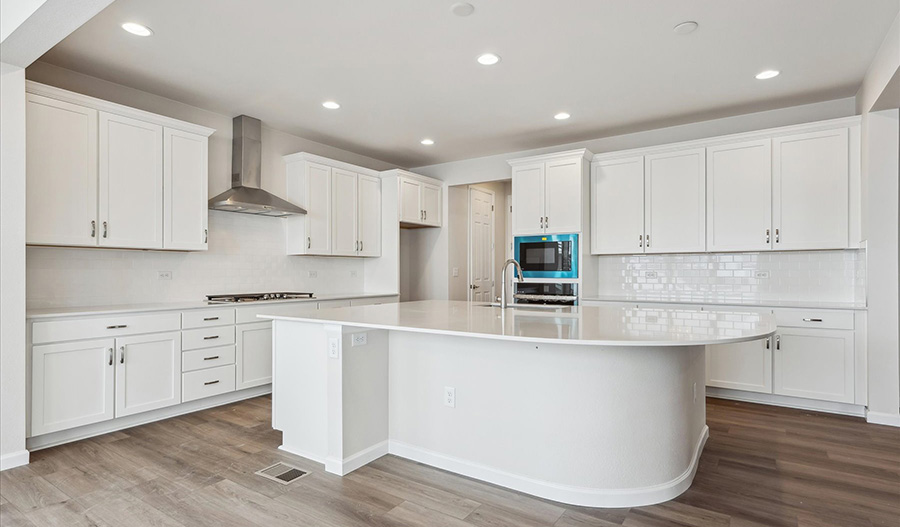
[744, 366]
[739, 196]
[72, 385]
[369, 191]
[481, 245]
[318, 207]
[186, 189]
[528, 199]
[254, 354]
[562, 196]
[431, 204]
[148, 372]
[811, 181]
[617, 206]
[675, 202]
[61, 167]
[410, 201]
[343, 213]
[131, 183]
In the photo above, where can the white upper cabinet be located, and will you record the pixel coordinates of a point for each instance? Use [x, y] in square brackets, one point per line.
[675, 201]
[318, 203]
[185, 190]
[419, 200]
[369, 212]
[61, 163]
[101, 174]
[548, 193]
[131, 181]
[811, 190]
[410, 200]
[344, 203]
[739, 196]
[431, 204]
[617, 206]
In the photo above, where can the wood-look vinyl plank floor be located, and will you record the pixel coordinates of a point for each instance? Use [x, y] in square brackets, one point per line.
[762, 467]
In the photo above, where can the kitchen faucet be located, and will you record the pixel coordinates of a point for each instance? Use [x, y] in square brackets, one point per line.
[503, 303]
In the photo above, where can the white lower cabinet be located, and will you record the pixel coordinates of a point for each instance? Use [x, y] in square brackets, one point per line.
[208, 382]
[73, 384]
[743, 366]
[254, 355]
[814, 363]
[148, 371]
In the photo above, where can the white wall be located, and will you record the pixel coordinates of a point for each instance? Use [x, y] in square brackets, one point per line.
[12, 267]
[492, 168]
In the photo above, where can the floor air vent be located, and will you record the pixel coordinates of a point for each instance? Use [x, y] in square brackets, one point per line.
[282, 473]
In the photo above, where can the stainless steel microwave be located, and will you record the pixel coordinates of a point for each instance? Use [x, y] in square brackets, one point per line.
[548, 256]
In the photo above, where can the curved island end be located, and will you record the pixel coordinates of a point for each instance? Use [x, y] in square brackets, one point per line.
[590, 406]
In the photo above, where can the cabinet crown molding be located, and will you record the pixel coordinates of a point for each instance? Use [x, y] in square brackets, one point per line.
[333, 163]
[399, 172]
[60, 94]
[584, 153]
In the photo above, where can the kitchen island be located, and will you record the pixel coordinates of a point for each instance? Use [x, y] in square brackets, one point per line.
[591, 406]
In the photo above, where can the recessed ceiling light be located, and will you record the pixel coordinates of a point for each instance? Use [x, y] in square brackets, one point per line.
[561, 116]
[488, 59]
[768, 74]
[685, 28]
[462, 9]
[137, 29]
[427, 141]
[331, 105]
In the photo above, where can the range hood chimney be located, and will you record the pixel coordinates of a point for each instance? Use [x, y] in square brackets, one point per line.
[245, 195]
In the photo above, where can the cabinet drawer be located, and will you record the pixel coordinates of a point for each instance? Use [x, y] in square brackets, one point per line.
[204, 318]
[249, 313]
[811, 318]
[206, 383]
[207, 337]
[207, 358]
[102, 327]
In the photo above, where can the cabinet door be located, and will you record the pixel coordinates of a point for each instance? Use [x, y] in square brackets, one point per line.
[369, 228]
[344, 241]
[148, 372]
[72, 385]
[617, 206]
[675, 202]
[744, 366]
[410, 201]
[131, 183]
[562, 196]
[528, 199]
[318, 207]
[254, 354]
[185, 186]
[61, 173]
[739, 196]
[811, 178]
[431, 204]
[814, 363]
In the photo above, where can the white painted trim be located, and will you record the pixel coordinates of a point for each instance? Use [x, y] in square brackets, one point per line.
[83, 432]
[583, 153]
[14, 459]
[399, 172]
[882, 418]
[581, 496]
[333, 163]
[725, 139]
[118, 109]
[342, 467]
[302, 453]
[787, 401]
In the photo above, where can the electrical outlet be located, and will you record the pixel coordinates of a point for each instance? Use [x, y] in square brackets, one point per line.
[164, 275]
[359, 339]
[312, 274]
[455, 272]
[334, 348]
[650, 274]
[761, 274]
[450, 396]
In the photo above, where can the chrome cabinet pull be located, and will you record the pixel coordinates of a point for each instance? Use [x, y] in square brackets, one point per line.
[426, 214]
[778, 342]
[105, 229]
[93, 229]
[120, 326]
[308, 242]
[777, 236]
[205, 235]
[767, 236]
[110, 356]
[210, 382]
[211, 358]
[648, 240]
[640, 240]
[812, 319]
[212, 337]
[122, 355]
[207, 319]
[768, 343]
[361, 245]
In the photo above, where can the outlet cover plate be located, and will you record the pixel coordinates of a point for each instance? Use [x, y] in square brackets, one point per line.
[358, 339]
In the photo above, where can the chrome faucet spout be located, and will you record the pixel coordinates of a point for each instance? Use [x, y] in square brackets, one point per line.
[503, 303]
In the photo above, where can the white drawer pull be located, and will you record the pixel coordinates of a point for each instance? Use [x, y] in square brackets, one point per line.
[207, 319]
[120, 326]
[211, 358]
[812, 319]
[210, 382]
[211, 337]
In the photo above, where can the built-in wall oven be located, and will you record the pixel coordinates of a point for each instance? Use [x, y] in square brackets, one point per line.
[548, 256]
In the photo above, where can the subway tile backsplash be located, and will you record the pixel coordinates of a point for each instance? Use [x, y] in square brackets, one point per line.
[821, 276]
[246, 255]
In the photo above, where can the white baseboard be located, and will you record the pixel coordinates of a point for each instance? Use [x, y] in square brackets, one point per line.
[882, 418]
[342, 467]
[581, 496]
[13, 460]
[787, 401]
[302, 453]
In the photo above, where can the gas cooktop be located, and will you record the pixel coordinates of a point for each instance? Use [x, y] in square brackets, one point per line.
[254, 297]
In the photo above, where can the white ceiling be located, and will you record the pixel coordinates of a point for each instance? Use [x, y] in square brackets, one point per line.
[405, 69]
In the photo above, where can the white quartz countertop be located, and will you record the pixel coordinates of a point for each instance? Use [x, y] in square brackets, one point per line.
[175, 306]
[711, 301]
[585, 325]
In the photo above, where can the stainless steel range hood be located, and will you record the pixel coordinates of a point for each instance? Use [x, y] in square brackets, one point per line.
[245, 195]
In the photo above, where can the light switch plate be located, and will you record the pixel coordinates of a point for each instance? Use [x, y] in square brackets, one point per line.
[312, 274]
[358, 339]
[455, 272]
